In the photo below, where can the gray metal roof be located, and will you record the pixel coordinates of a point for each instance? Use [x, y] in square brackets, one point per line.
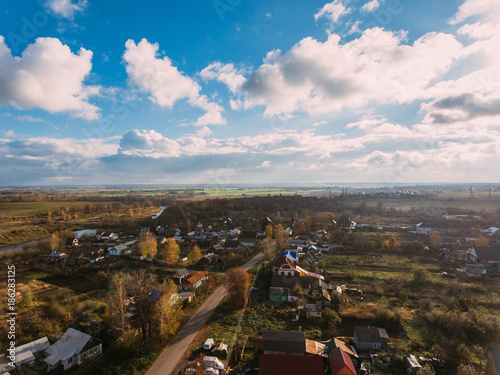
[71, 343]
[284, 341]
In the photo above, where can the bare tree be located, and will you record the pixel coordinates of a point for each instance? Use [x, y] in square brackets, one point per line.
[139, 286]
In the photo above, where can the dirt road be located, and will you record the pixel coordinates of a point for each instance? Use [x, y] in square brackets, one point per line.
[173, 353]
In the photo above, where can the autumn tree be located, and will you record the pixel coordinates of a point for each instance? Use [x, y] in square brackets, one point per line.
[53, 242]
[117, 300]
[281, 238]
[195, 252]
[268, 232]
[435, 240]
[139, 286]
[171, 251]
[299, 228]
[237, 284]
[481, 241]
[148, 247]
[268, 248]
[169, 311]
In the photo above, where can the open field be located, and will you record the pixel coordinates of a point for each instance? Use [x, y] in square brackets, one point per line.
[14, 209]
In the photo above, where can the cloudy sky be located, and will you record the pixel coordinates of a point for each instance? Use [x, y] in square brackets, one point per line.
[238, 91]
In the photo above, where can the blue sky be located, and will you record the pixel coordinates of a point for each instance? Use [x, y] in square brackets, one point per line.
[238, 91]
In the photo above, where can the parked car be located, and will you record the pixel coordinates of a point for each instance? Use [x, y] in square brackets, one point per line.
[208, 344]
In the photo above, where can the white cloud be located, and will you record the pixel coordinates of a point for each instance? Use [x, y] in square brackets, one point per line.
[265, 164]
[226, 74]
[165, 83]
[204, 132]
[66, 8]
[487, 9]
[48, 76]
[333, 11]
[30, 119]
[370, 6]
[324, 77]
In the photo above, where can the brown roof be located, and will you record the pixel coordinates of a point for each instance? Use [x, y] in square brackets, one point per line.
[273, 364]
[195, 278]
[290, 282]
[340, 360]
[284, 342]
[282, 260]
[315, 348]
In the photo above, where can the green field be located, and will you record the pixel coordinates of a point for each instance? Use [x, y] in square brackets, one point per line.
[36, 208]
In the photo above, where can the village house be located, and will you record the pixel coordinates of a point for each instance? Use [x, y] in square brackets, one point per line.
[346, 224]
[284, 342]
[288, 288]
[368, 338]
[27, 354]
[341, 363]
[73, 348]
[490, 254]
[273, 364]
[180, 275]
[71, 242]
[314, 311]
[194, 282]
[106, 236]
[118, 249]
[248, 239]
[424, 228]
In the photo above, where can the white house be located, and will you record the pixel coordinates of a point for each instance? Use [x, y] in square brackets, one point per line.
[423, 228]
[73, 348]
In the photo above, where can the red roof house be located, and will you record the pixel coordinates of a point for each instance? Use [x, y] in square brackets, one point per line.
[341, 363]
[274, 364]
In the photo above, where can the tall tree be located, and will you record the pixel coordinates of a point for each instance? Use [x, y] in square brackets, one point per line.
[171, 251]
[237, 284]
[281, 238]
[148, 247]
[195, 252]
[168, 310]
[268, 248]
[117, 300]
[53, 242]
[269, 231]
[139, 285]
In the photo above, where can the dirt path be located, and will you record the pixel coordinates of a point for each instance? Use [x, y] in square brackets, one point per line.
[168, 360]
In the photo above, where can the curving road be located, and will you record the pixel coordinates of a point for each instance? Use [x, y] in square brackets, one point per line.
[168, 360]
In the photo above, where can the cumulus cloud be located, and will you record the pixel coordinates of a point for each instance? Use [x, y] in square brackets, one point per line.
[370, 6]
[225, 73]
[333, 11]
[66, 8]
[487, 9]
[48, 76]
[164, 82]
[324, 77]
